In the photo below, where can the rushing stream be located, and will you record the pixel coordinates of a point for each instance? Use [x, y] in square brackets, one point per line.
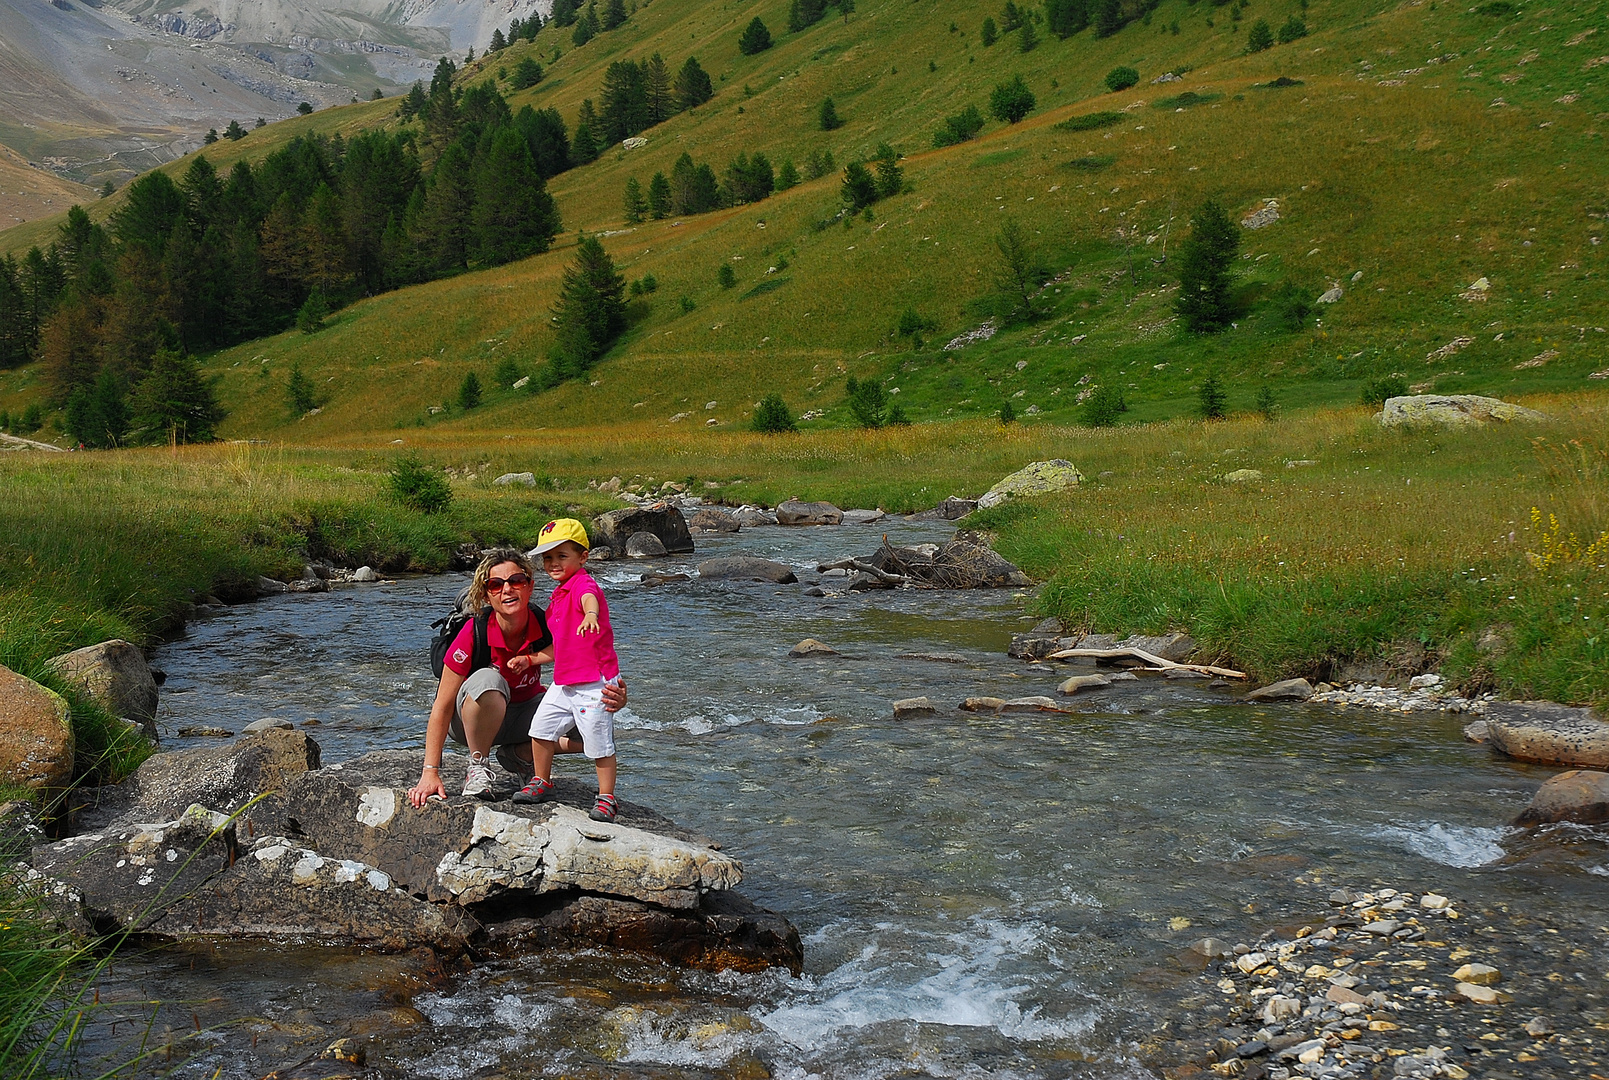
[979, 895]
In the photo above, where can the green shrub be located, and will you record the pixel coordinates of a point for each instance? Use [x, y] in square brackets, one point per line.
[1267, 407]
[1121, 78]
[32, 419]
[1288, 309]
[897, 417]
[1011, 101]
[989, 34]
[420, 487]
[1497, 9]
[508, 372]
[772, 416]
[1104, 406]
[1377, 391]
[913, 324]
[1090, 162]
[1212, 399]
[962, 127]
[1293, 30]
[469, 392]
[1259, 37]
[1008, 413]
[827, 116]
[725, 277]
[310, 319]
[299, 395]
[1089, 121]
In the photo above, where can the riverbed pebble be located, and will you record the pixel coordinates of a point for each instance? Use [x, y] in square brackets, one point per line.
[1426, 697]
[1331, 997]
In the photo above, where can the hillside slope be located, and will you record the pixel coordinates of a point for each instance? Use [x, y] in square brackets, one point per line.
[1409, 152]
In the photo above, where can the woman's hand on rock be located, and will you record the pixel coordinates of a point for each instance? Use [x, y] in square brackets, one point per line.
[428, 787]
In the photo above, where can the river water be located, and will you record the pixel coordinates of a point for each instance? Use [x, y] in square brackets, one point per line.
[979, 895]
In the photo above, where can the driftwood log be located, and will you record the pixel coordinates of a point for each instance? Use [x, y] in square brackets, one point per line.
[1129, 652]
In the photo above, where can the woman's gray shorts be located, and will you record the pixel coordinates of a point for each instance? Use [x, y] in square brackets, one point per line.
[516, 721]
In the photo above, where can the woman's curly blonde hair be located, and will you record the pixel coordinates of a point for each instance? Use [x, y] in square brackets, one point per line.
[496, 556]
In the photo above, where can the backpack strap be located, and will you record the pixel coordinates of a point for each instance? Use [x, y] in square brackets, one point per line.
[481, 656]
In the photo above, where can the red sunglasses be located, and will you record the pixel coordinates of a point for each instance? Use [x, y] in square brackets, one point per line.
[519, 581]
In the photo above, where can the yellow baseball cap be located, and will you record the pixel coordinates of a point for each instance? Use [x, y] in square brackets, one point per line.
[557, 532]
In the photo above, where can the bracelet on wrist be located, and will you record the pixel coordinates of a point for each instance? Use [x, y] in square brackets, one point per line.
[437, 768]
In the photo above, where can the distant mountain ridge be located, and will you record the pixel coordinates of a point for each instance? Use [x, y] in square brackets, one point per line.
[98, 91]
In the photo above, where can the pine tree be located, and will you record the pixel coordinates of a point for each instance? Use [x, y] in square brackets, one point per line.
[1027, 37]
[827, 116]
[1017, 272]
[1204, 261]
[1011, 17]
[210, 137]
[584, 147]
[988, 34]
[469, 392]
[859, 189]
[97, 417]
[625, 102]
[1213, 401]
[890, 177]
[154, 205]
[772, 416]
[413, 104]
[549, 140]
[1260, 37]
[1066, 17]
[514, 214]
[442, 228]
[693, 86]
[175, 402]
[657, 88]
[755, 38]
[527, 73]
[586, 26]
[563, 13]
[787, 175]
[614, 13]
[659, 196]
[234, 132]
[299, 395]
[1109, 17]
[498, 41]
[636, 206]
[591, 310]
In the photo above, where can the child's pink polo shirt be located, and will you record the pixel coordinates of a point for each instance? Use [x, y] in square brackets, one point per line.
[580, 658]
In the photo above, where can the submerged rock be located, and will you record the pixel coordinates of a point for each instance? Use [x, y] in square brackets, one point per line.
[951, 509]
[811, 647]
[340, 854]
[116, 675]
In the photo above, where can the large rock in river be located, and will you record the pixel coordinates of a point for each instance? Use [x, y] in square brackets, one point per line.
[116, 675]
[794, 512]
[1452, 410]
[1580, 795]
[746, 568]
[665, 521]
[1035, 478]
[1548, 734]
[340, 854]
[36, 734]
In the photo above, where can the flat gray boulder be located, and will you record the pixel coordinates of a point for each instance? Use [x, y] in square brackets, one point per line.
[746, 568]
[340, 854]
[863, 517]
[911, 708]
[794, 512]
[1035, 478]
[1548, 734]
[116, 675]
[665, 521]
[644, 545]
[1453, 410]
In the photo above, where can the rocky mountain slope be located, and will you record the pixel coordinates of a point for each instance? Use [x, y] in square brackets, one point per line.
[99, 92]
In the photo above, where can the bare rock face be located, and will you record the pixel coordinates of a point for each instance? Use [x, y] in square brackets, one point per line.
[1284, 690]
[615, 528]
[1548, 734]
[36, 736]
[340, 854]
[1580, 795]
[1453, 410]
[712, 520]
[116, 675]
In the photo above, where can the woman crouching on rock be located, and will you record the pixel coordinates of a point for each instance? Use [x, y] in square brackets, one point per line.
[491, 681]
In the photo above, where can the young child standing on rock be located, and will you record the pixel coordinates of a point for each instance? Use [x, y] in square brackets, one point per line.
[583, 661]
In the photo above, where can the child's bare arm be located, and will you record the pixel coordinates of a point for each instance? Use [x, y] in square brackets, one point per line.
[589, 618]
[526, 661]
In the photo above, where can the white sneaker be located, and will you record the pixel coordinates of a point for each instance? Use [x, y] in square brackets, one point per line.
[477, 778]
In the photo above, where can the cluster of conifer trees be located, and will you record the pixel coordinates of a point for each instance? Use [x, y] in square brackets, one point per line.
[212, 260]
[694, 189]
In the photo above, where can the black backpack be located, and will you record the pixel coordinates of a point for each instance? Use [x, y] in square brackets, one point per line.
[448, 627]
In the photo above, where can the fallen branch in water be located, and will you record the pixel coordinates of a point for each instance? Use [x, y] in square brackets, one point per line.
[864, 567]
[1129, 652]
